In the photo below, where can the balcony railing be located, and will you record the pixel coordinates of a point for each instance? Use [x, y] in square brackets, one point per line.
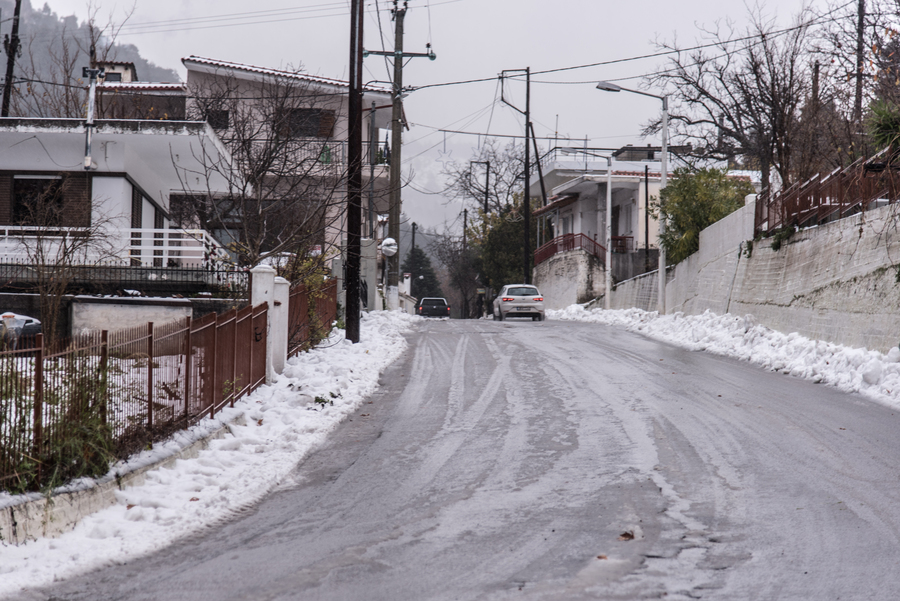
[334, 152]
[568, 242]
[156, 247]
[175, 248]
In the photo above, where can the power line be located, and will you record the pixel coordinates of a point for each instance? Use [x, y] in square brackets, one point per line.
[817, 21]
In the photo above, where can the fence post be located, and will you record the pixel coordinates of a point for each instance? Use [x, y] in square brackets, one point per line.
[104, 372]
[39, 401]
[150, 376]
[280, 316]
[215, 364]
[188, 352]
[263, 292]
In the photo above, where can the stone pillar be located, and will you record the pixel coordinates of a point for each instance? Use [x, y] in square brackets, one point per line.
[264, 292]
[280, 324]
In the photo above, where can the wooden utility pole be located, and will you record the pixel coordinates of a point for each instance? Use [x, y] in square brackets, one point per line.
[526, 204]
[860, 31]
[393, 263]
[396, 144]
[12, 49]
[354, 174]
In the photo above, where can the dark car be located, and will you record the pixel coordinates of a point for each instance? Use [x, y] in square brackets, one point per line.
[433, 307]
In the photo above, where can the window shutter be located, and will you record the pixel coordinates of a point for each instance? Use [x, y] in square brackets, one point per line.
[326, 124]
[137, 205]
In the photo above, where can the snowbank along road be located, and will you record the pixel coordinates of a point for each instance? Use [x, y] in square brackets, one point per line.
[561, 460]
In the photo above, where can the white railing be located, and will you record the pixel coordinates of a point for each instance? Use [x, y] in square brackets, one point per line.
[176, 247]
[157, 247]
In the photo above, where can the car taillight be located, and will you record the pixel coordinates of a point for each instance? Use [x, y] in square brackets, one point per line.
[538, 298]
[507, 299]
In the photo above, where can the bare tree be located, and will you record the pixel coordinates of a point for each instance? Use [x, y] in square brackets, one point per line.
[61, 237]
[459, 261]
[740, 98]
[467, 180]
[50, 70]
[286, 178]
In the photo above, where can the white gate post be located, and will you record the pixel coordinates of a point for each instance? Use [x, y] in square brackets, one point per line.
[263, 291]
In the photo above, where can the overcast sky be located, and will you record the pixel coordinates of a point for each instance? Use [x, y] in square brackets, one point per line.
[473, 39]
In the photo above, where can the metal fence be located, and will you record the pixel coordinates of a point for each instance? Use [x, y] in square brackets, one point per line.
[568, 242]
[62, 404]
[112, 279]
[310, 315]
[864, 185]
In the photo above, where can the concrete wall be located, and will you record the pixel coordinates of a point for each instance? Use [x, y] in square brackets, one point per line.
[569, 277]
[836, 282]
[98, 313]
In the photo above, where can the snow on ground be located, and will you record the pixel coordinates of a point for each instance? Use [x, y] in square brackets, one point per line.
[284, 423]
[870, 373]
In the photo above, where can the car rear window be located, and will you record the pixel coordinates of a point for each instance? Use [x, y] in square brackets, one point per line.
[522, 292]
[433, 301]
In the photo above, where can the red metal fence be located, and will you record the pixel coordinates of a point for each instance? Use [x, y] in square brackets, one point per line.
[310, 315]
[569, 242]
[864, 185]
[120, 390]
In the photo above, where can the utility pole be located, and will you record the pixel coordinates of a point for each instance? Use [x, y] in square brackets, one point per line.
[11, 46]
[414, 236]
[354, 174]
[860, 31]
[487, 180]
[393, 290]
[526, 204]
[373, 150]
[465, 227]
[393, 280]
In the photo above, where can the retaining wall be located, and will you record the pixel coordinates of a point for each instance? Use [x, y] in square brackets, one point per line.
[836, 282]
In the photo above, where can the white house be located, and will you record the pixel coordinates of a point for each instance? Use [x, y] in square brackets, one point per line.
[569, 263]
[135, 166]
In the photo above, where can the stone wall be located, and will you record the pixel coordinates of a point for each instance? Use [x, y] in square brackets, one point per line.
[836, 282]
[569, 277]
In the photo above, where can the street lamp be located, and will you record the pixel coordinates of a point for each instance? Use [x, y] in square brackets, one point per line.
[607, 86]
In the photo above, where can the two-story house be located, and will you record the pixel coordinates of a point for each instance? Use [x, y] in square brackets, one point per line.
[122, 200]
[287, 133]
[569, 263]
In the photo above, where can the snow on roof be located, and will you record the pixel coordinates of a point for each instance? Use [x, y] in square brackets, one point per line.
[141, 85]
[218, 64]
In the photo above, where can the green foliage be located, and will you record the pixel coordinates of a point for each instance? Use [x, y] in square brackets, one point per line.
[694, 200]
[77, 444]
[503, 248]
[419, 266]
[883, 123]
[781, 235]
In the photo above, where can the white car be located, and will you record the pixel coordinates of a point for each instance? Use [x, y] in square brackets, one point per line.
[519, 300]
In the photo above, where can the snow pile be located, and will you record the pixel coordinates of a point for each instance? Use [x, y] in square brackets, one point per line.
[283, 423]
[871, 373]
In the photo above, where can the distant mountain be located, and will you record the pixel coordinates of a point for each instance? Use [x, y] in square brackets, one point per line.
[53, 51]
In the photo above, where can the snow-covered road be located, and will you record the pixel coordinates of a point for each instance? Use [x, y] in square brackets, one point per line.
[519, 459]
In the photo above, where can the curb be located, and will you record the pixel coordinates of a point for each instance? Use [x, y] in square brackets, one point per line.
[37, 516]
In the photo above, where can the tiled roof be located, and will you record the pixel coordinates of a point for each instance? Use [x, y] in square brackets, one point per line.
[274, 72]
[142, 85]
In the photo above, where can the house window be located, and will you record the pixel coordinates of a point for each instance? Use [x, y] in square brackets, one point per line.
[37, 200]
[113, 78]
[217, 118]
[307, 123]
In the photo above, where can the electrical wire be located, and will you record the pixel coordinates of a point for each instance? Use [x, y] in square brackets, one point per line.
[661, 53]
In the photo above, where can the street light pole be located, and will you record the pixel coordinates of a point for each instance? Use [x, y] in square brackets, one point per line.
[607, 86]
[608, 232]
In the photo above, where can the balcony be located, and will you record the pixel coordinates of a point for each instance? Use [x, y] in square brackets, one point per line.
[568, 242]
[151, 247]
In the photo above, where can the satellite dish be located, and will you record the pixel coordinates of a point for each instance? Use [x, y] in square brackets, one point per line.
[389, 247]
